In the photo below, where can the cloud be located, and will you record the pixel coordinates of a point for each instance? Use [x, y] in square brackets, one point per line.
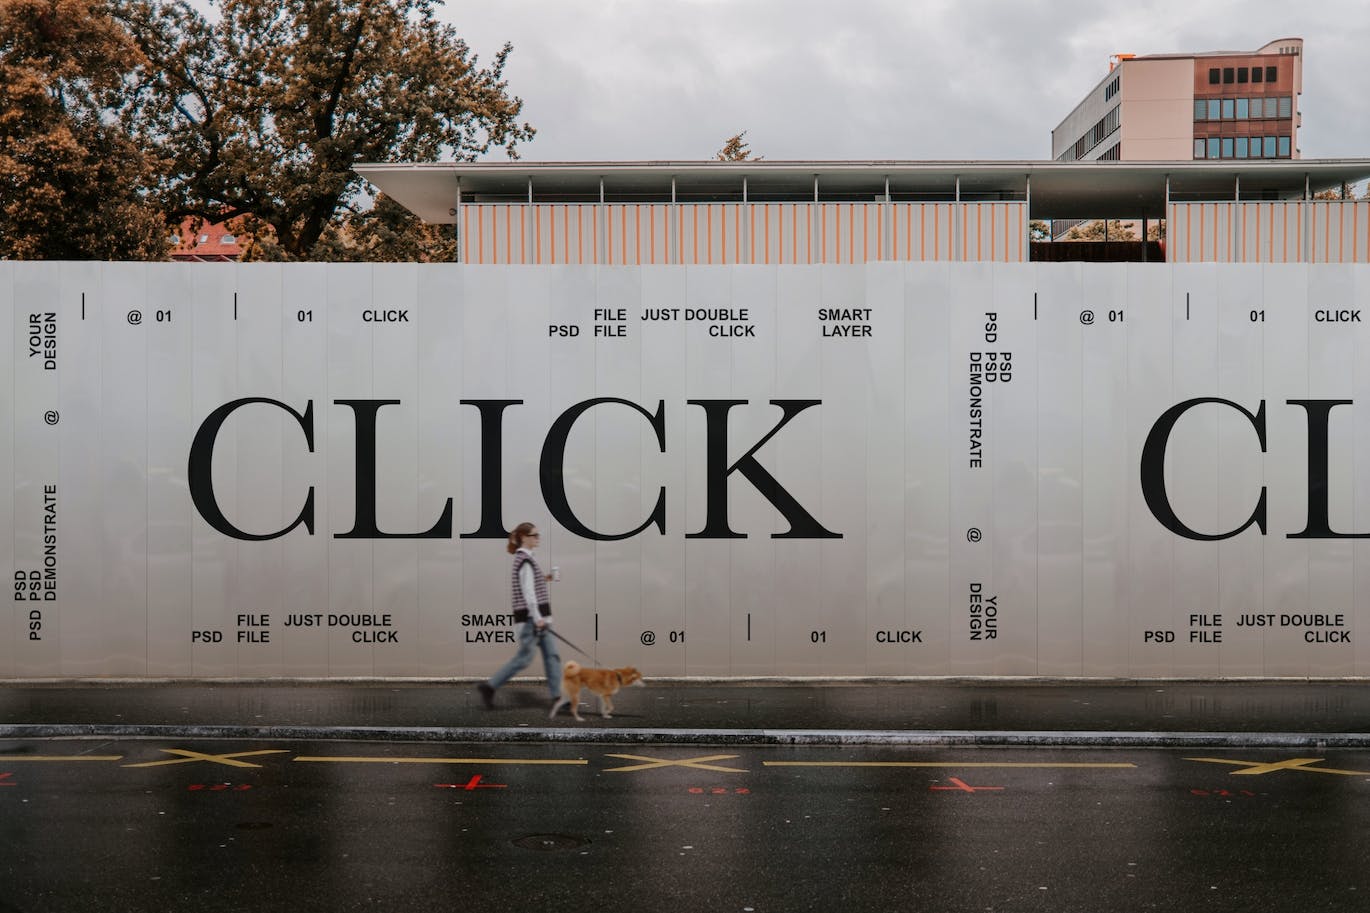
[871, 79]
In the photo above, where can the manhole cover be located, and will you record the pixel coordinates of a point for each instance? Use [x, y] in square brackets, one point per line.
[550, 842]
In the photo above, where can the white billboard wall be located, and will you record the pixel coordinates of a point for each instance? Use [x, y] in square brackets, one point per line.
[888, 469]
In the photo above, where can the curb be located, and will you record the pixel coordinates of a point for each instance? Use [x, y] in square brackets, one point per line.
[744, 737]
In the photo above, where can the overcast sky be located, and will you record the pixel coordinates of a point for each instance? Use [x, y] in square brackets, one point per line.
[877, 79]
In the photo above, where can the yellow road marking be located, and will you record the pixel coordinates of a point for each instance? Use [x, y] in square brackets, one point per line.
[1256, 768]
[11, 759]
[940, 764]
[366, 760]
[229, 760]
[696, 763]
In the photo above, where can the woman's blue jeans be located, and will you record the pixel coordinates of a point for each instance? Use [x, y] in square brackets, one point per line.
[529, 640]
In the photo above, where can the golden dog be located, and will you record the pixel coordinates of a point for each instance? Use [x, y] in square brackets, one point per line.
[603, 682]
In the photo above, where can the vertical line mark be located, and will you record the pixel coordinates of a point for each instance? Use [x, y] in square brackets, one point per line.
[793, 235]
[709, 233]
[1189, 234]
[1327, 231]
[851, 233]
[1355, 232]
[694, 234]
[980, 234]
[723, 237]
[766, 234]
[894, 232]
[1216, 256]
[608, 236]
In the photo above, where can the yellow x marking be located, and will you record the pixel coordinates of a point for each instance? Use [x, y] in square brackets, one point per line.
[383, 760]
[229, 760]
[653, 763]
[1255, 768]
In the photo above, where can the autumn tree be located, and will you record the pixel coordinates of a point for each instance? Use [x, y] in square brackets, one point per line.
[387, 233]
[1098, 230]
[262, 112]
[736, 150]
[1334, 193]
[71, 181]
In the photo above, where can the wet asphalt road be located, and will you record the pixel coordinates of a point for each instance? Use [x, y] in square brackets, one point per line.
[212, 826]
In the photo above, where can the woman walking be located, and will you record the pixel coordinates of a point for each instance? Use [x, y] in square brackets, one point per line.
[532, 613]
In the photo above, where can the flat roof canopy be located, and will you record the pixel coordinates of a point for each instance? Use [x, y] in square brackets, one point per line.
[1057, 190]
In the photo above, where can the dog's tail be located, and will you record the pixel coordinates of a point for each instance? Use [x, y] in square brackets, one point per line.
[571, 668]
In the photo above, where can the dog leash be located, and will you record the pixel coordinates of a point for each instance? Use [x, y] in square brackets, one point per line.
[550, 630]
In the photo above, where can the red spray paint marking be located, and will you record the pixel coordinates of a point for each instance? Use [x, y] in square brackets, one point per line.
[471, 785]
[1221, 793]
[6, 776]
[964, 787]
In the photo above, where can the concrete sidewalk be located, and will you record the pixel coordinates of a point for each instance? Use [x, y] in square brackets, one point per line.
[1182, 713]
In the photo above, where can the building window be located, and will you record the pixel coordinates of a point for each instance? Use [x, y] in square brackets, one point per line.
[1241, 74]
[1200, 108]
[1198, 148]
[1256, 74]
[1284, 147]
[1243, 108]
[1286, 106]
[1270, 74]
[1227, 147]
[1269, 150]
[228, 239]
[1214, 111]
[1228, 74]
[1213, 147]
[1272, 106]
[1096, 135]
[1241, 147]
[1214, 76]
[1227, 109]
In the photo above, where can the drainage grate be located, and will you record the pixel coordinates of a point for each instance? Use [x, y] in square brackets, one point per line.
[549, 843]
